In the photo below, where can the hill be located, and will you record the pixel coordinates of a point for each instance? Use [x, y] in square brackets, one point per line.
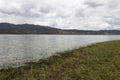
[7, 28]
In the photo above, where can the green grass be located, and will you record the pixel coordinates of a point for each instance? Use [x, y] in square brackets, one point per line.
[99, 61]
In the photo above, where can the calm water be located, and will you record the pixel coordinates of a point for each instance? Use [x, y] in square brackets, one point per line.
[17, 49]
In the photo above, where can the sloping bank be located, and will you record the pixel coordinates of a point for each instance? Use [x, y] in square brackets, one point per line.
[99, 61]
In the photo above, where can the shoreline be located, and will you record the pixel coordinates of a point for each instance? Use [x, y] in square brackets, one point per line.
[98, 61]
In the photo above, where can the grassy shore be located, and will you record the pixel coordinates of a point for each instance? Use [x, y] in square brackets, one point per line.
[99, 61]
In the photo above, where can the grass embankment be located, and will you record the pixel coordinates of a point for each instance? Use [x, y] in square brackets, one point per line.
[99, 61]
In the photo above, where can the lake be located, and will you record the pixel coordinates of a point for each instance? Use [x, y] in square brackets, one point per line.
[18, 49]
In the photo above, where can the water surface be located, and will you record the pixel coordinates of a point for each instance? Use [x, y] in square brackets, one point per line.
[17, 49]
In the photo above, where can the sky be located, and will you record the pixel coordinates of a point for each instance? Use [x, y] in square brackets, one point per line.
[64, 14]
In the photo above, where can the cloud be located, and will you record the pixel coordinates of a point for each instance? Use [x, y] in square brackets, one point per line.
[93, 3]
[65, 14]
[112, 20]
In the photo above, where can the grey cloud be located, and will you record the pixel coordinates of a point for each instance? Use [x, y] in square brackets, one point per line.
[24, 11]
[8, 12]
[112, 20]
[17, 13]
[80, 13]
[92, 3]
[45, 10]
[113, 4]
[27, 14]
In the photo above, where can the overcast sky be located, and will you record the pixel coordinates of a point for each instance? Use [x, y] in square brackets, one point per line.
[65, 14]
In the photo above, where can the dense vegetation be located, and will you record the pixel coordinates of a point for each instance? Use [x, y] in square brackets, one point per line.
[7, 28]
[99, 61]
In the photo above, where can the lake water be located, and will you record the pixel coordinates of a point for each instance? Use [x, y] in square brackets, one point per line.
[17, 49]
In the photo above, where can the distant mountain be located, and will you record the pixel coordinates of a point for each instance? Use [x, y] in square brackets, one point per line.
[7, 28]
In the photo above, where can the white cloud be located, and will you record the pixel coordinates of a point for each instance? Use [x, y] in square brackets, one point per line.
[66, 14]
